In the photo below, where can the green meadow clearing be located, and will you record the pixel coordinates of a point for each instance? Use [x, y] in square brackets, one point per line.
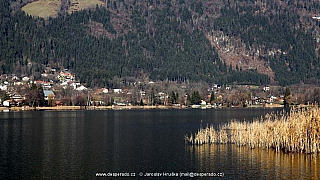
[43, 8]
[77, 5]
[50, 8]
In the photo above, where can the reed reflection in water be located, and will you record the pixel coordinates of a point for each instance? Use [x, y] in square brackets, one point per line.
[245, 163]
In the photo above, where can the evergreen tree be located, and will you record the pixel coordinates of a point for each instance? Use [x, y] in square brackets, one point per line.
[196, 98]
[212, 98]
[287, 97]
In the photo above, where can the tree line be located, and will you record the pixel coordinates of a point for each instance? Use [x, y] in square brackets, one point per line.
[158, 46]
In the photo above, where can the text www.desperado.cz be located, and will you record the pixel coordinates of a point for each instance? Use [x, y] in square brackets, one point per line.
[161, 174]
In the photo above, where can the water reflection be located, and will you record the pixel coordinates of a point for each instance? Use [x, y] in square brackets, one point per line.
[245, 163]
[77, 144]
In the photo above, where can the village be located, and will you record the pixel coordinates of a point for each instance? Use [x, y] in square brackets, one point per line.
[56, 89]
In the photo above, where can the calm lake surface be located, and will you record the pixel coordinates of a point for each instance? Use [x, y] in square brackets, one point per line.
[79, 144]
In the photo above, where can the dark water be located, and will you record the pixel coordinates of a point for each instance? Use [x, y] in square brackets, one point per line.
[79, 144]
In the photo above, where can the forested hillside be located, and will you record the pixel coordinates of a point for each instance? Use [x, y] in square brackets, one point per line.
[183, 40]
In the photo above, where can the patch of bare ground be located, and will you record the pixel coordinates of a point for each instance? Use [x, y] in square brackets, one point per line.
[121, 22]
[97, 29]
[234, 52]
[246, 62]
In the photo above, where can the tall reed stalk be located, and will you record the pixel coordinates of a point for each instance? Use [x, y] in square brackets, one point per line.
[297, 131]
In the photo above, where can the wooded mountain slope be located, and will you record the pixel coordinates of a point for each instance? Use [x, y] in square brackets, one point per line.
[215, 41]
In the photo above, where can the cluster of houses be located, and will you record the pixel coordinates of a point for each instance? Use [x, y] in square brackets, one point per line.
[52, 81]
[67, 79]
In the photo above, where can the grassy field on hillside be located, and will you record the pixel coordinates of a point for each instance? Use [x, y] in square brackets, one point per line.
[43, 8]
[77, 5]
[49, 8]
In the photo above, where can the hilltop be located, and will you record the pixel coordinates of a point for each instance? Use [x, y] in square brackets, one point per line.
[242, 42]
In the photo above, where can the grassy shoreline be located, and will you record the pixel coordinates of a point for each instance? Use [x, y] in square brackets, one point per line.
[298, 131]
[63, 108]
[66, 108]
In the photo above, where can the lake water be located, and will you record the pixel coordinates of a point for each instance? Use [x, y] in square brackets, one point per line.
[80, 144]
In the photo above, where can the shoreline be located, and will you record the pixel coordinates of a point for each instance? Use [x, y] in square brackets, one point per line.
[72, 108]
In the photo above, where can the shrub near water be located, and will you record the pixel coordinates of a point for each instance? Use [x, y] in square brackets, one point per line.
[298, 131]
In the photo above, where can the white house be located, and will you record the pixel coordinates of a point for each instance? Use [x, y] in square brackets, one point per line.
[105, 91]
[17, 83]
[3, 87]
[15, 78]
[25, 79]
[81, 88]
[117, 90]
[6, 103]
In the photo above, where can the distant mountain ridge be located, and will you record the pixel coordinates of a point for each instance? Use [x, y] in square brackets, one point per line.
[224, 41]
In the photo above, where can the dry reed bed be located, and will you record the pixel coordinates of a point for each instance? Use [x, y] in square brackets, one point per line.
[298, 131]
